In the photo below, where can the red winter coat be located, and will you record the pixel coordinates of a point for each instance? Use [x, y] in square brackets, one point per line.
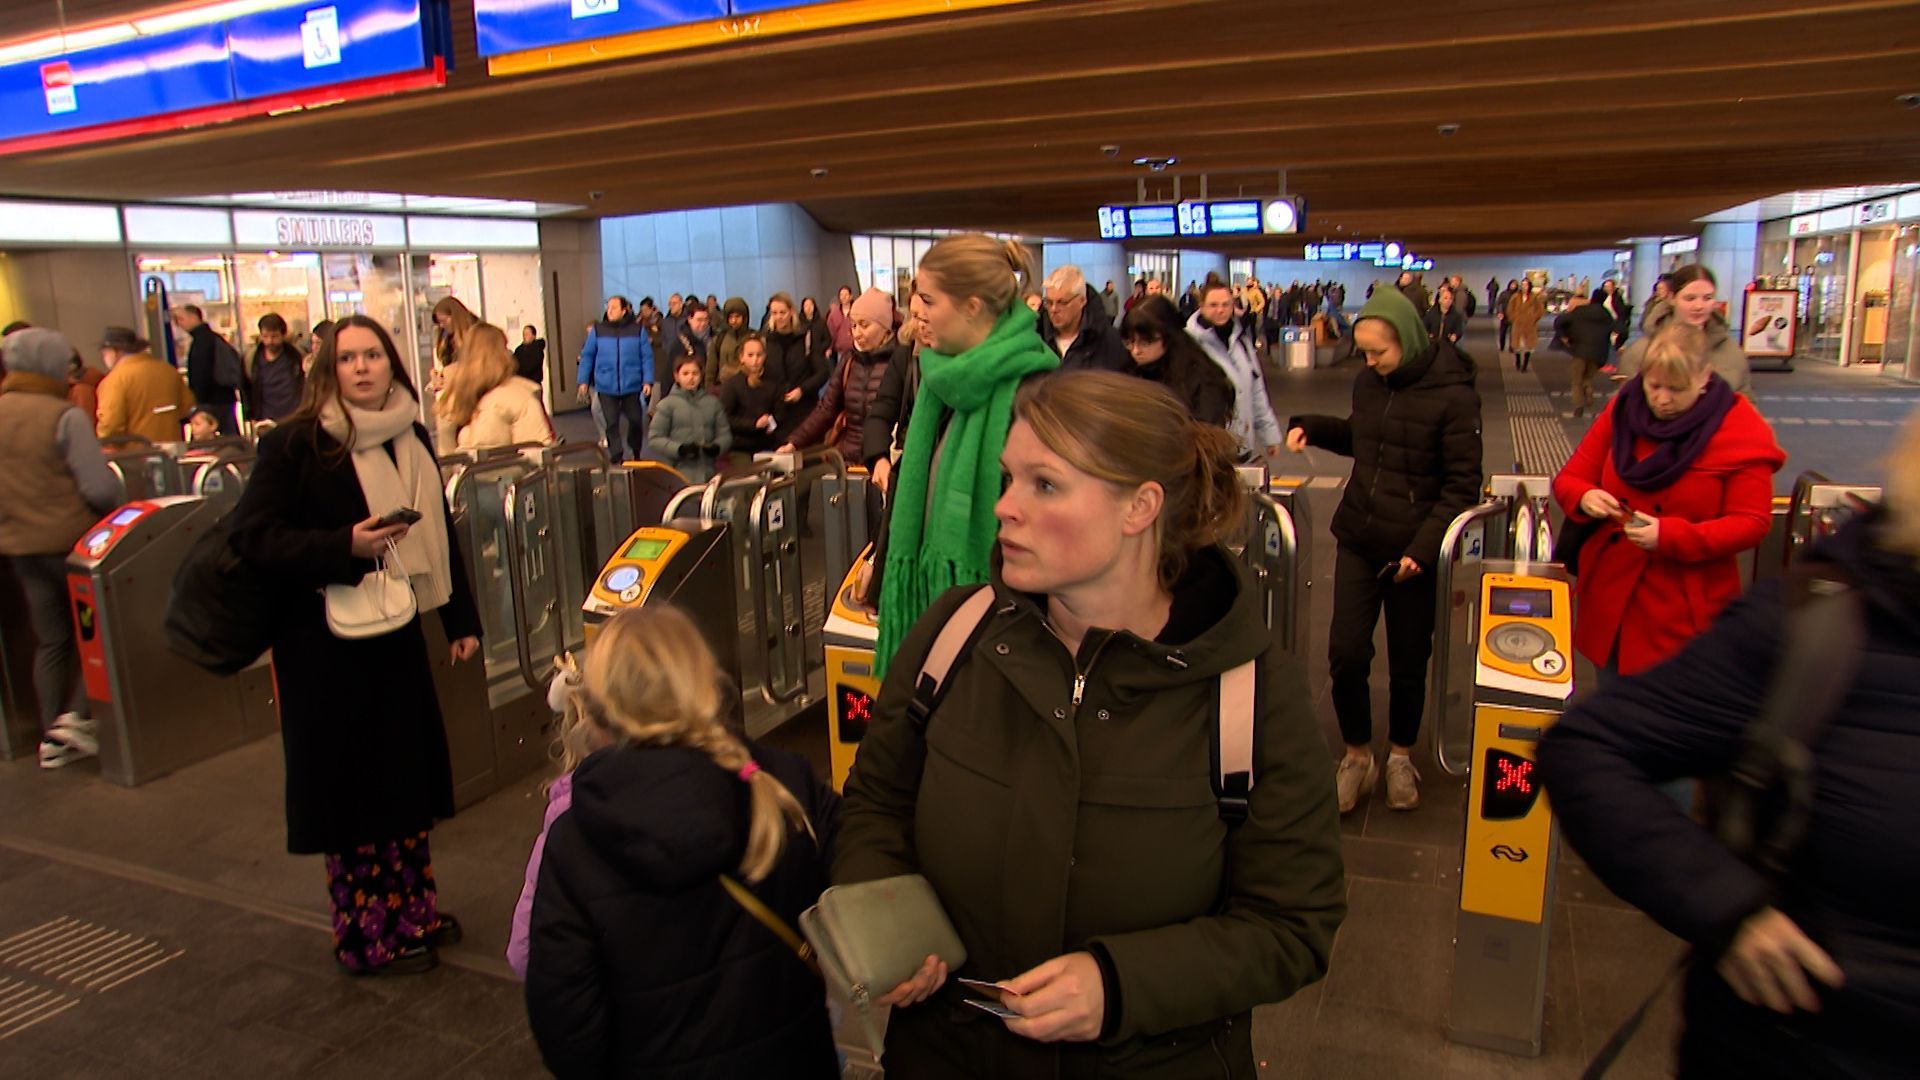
[1653, 602]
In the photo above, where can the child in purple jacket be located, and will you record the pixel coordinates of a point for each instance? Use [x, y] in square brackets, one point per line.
[577, 740]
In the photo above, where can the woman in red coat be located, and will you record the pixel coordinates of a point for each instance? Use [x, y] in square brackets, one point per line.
[1682, 467]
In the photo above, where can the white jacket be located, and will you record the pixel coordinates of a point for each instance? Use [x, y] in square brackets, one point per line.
[1253, 422]
[507, 414]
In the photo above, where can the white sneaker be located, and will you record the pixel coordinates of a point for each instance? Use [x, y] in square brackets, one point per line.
[61, 748]
[1353, 777]
[1403, 783]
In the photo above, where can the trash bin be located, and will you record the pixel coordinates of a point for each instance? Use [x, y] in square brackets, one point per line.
[1298, 343]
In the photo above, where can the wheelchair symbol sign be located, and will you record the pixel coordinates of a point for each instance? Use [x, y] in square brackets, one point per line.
[1273, 540]
[776, 517]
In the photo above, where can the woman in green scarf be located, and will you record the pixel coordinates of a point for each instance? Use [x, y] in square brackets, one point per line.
[942, 528]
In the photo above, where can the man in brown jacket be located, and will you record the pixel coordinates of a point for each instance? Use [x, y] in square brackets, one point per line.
[141, 395]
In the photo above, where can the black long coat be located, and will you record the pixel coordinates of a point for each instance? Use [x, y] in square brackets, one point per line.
[1414, 437]
[366, 751]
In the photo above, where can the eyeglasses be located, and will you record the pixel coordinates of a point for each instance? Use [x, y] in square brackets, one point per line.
[1068, 302]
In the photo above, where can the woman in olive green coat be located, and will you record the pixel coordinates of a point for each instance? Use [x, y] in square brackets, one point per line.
[1061, 799]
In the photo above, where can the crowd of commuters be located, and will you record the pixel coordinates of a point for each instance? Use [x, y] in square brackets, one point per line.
[1067, 455]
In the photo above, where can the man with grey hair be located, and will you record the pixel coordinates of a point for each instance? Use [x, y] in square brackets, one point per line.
[55, 487]
[1073, 323]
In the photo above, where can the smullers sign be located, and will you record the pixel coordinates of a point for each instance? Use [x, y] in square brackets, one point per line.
[324, 231]
[308, 230]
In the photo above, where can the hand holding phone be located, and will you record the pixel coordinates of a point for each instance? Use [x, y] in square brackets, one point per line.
[406, 515]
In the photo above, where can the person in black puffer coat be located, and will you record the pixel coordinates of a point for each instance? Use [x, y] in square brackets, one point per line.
[1414, 437]
[1162, 352]
[1817, 974]
[851, 391]
[1587, 333]
[793, 362]
[639, 962]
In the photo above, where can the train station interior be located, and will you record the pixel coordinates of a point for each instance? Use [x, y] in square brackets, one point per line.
[308, 163]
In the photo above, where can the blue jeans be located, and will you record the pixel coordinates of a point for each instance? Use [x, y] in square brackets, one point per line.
[1681, 790]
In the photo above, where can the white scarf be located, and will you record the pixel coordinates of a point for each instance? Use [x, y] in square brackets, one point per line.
[410, 478]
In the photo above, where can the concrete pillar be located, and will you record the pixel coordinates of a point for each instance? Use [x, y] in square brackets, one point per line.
[1729, 250]
[1646, 268]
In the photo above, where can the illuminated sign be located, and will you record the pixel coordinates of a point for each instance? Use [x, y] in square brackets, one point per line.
[856, 714]
[247, 65]
[519, 36]
[1113, 223]
[1230, 218]
[1152, 221]
[1511, 788]
[1282, 217]
[305, 231]
[1193, 219]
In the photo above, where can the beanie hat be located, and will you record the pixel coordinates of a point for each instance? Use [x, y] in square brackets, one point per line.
[39, 351]
[121, 339]
[1392, 307]
[874, 306]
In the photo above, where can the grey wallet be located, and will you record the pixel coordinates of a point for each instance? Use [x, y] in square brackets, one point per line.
[873, 936]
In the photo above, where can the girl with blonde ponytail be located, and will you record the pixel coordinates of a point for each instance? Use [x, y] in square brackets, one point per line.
[631, 918]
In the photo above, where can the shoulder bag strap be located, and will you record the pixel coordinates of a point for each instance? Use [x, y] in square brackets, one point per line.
[1233, 780]
[765, 916]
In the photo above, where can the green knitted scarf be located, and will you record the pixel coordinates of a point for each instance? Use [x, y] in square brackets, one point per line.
[937, 543]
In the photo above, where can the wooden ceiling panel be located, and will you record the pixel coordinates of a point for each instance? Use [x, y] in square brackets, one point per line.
[1573, 132]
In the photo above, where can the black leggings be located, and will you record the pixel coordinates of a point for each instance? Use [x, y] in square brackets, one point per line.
[1358, 596]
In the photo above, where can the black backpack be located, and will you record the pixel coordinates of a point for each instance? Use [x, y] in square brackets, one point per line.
[220, 612]
[228, 371]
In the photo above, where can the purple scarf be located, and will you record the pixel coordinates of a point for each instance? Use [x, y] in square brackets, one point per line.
[1680, 439]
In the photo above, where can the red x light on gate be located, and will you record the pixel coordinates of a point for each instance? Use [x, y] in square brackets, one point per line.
[1509, 788]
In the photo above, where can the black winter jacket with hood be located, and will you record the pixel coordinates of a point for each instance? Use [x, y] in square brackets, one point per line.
[638, 962]
[1098, 346]
[1851, 884]
[1414, 437]
[792, 363]
[1587, 331]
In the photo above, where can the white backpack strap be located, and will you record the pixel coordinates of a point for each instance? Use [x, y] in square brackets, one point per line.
[1236, 716]
[947, 647]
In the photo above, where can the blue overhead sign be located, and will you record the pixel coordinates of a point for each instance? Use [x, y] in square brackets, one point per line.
[306, 46]
[1152, 221]
[508, 26]
[267, 54]
[1233, 218]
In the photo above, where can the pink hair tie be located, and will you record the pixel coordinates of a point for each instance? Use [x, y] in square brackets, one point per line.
[746, 771]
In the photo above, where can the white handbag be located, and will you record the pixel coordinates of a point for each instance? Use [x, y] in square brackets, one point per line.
[381, 603]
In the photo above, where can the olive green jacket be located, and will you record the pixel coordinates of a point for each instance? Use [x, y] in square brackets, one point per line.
[1051, 822]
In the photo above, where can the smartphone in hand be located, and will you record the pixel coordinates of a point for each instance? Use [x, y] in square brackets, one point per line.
[406, 515]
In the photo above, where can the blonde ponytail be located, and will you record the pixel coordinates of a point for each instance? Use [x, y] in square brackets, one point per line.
[651, 681]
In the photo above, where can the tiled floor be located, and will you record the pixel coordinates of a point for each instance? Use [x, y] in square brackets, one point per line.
[197, 861]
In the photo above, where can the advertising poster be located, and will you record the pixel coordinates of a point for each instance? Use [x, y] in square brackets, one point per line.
[1768, 323]
[1539, 276]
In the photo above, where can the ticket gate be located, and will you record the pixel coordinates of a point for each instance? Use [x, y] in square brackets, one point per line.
[1816, 508]
[156, 713]
[1283, 527]
[145, 471]
[1523, 676]
[685, 562]
[19, 706]
[848, 640]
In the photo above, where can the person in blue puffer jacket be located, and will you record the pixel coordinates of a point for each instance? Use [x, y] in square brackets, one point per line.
[616, 365]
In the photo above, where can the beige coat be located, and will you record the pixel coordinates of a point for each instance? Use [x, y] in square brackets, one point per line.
[506, 415]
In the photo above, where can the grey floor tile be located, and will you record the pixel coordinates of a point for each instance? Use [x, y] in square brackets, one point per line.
[1393, 952]
[399, 1050]
[470, 1007]
[1389, 861]
[257, 1051]
[1350, 1040]
[340, 1013]
[510, 1056]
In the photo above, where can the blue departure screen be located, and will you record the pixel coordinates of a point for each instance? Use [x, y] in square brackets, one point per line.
[1239, 216]
[508, 26]
[1113, 223]
[1151, 221]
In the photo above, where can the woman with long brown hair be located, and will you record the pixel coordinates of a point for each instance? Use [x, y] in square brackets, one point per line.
[451, 320]
[345, 481]
[485, 403]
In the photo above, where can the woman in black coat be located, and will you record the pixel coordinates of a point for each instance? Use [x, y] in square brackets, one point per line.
[1814, 973]
[795, 362]
[1164, 353]
[366, 752]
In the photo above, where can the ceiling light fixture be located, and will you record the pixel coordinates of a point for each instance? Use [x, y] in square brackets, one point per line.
[1157, 164]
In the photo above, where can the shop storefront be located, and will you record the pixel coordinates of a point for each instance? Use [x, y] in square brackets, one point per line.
[1853, 269]
[306, 265]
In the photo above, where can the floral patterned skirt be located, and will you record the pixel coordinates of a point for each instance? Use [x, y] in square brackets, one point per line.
[384, 900]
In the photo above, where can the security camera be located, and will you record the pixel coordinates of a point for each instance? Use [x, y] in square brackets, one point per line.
[596, 196]
[1110, 150]
[1911, 101]
[817, 174]
[1448, 131]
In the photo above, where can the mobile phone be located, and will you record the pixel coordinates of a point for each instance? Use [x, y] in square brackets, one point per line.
[406, 515]
[1389, 571]
[991, 1008]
